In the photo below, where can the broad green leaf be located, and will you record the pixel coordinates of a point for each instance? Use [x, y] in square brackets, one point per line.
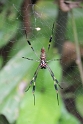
[8, 23]
[16, 71]
[46, 109]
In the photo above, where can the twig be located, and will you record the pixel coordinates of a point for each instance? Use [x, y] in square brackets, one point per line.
[78, 61]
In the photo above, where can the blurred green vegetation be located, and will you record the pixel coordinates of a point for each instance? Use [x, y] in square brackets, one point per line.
[15, 104]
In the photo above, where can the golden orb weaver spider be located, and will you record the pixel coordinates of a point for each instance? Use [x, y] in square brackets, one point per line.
[42, 65]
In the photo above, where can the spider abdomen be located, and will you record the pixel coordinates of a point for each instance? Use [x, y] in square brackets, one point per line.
[43, 59]
[43, 64]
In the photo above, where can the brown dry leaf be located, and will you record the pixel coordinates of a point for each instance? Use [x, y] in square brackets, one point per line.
[69, 54]
[68, 5]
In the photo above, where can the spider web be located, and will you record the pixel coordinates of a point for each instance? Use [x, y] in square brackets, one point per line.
[42, 17]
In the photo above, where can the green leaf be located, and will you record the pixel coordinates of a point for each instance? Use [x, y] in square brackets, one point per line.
[46, 109]
[16, 72]
[8, 23]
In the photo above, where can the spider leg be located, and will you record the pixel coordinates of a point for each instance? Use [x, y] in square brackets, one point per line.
[30, 44]
[53, 77]
[33, 82]
[50, 40]
[53, 60]
[55, 82]
[55, 86]
[34, 78]
[27, 58]
[34, 92]
[30, 59]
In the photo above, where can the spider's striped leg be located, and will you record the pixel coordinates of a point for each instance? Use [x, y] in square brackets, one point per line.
[33, 92]
[27, 58]
[55, 82]
[30, 44]
[34, 78]
[50, 40]
[30, 59]
[33, 82]
[54, 60]
[56, 88]
[52, 75]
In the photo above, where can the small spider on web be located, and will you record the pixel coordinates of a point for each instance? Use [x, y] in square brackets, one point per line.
[42, 65]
